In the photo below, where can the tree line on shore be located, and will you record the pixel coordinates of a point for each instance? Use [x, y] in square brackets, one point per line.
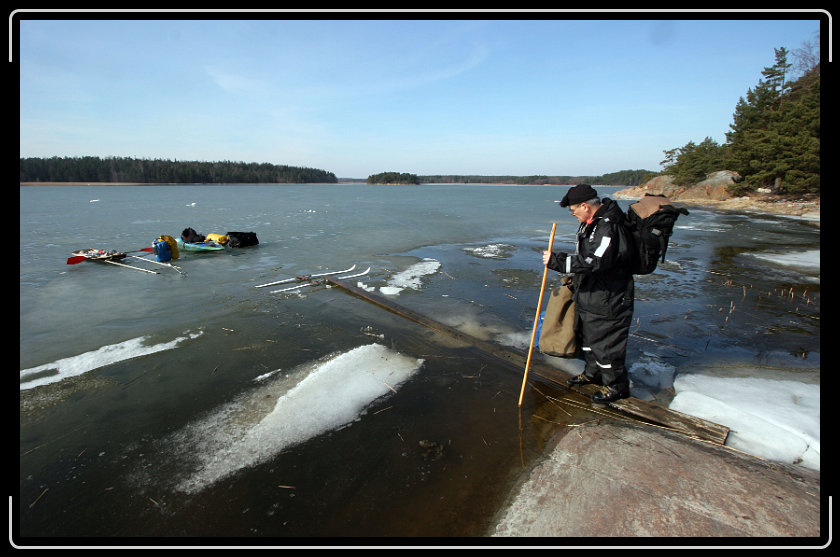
[774, 139]
[158, 171]
[91, 169]
[620, 178]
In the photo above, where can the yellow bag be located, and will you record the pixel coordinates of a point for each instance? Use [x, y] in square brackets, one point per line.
[170, 241]
[218, 238]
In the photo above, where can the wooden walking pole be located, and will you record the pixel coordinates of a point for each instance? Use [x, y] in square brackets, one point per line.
[536, 318]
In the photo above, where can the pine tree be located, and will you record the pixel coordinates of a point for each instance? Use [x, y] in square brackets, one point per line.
[691, 163]
[773, 140]
[775, 75]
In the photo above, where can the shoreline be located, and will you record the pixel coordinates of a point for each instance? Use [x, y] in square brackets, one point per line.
[712, 194]
[806, 210]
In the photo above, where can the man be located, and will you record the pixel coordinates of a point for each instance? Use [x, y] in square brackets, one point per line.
[603, 290]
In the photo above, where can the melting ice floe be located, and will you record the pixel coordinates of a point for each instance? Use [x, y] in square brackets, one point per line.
[333, 394]
[411, 277]
[774, 419]
[491, 251]
[104, 356]
[809, 259]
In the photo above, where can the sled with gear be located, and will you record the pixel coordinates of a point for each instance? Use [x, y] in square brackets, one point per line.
[199, 246]
[193, 241]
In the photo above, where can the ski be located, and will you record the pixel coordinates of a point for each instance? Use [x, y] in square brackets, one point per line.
[319, 282]
[158, 263]
[129, 266]
[366, 271]
[305, 277]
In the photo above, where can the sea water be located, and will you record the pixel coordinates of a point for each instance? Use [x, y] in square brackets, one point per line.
[191, 403]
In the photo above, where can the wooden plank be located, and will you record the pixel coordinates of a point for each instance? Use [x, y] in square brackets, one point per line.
[634, 407]
[672, 419]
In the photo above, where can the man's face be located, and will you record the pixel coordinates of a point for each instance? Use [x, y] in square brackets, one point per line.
[582, 211]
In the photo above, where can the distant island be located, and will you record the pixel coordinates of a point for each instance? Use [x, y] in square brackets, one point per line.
[388, 178]
[620, 178]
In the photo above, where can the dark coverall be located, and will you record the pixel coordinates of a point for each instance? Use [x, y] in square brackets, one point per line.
[603, 294]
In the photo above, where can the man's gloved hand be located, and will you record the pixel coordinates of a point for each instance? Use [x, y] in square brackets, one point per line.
[553, 258]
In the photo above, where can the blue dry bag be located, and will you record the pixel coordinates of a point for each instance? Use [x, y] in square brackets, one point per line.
[162, 251]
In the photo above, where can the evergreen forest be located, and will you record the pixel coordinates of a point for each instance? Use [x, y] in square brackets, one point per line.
[774, 138]
[157, 171]
[620, 178]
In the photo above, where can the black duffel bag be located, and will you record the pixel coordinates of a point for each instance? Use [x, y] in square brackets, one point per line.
[242, 239]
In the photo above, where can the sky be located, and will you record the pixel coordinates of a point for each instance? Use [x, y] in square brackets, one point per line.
[359, 93]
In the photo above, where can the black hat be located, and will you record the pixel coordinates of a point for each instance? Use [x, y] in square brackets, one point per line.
[578, 194]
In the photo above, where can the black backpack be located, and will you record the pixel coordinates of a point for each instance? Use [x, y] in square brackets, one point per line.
[191, 236]
[651, 223]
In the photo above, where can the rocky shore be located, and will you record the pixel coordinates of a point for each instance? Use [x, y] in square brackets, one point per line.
[712, 192]
[623, 483]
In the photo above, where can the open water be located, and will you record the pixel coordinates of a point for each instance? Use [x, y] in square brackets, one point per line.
[192, 404]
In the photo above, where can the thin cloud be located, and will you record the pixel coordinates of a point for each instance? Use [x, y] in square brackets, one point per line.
[236, 83]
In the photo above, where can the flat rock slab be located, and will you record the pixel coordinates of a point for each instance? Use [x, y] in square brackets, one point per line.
[621, 479]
